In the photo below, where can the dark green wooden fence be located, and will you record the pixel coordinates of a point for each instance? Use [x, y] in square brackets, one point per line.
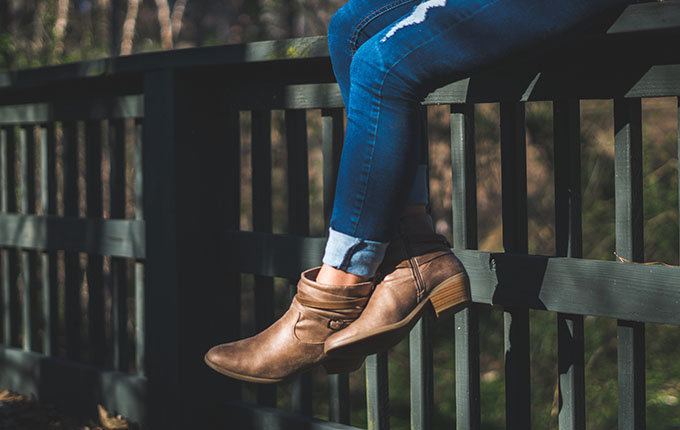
[162, 247]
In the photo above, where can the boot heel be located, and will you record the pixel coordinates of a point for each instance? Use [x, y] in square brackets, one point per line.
[450, 295]
[343, 365]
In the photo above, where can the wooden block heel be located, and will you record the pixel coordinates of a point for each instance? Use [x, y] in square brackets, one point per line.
[450, 295]
[343, 365]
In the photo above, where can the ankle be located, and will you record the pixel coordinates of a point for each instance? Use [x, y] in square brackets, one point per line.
[331, 276]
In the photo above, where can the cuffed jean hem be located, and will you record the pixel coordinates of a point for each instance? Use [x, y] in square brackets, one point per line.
[419, 193]
[354, 255]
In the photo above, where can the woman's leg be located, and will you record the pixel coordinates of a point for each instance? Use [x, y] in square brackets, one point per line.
[436, 43]
[439, 41]
[355, 23]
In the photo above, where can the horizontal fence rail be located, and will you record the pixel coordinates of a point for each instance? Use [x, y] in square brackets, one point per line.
[139, 227]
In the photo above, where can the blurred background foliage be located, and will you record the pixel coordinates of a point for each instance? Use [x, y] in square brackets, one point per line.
[40, 32]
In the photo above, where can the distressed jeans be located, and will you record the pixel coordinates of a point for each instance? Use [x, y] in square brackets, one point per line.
[387, 55]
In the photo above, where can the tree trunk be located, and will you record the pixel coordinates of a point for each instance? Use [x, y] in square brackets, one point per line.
[129, 27]
[165, 23]
[60, 26]
[176, 18]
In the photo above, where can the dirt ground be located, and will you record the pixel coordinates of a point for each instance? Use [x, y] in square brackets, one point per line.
[24, 413]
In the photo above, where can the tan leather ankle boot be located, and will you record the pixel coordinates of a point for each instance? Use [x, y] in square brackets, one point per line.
[295, 342]
[419, 272]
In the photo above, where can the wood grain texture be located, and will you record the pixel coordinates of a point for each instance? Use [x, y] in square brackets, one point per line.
[653, 16]
[422, 375]
[28, 258]
[71, 110]
[377, 392]
[95, 263]
[629, 245]
[122, 238]
[119, 273]
[48, 199]
[568, 243]
[515, 239]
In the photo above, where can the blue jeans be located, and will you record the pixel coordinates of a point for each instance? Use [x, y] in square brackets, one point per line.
[387, 56]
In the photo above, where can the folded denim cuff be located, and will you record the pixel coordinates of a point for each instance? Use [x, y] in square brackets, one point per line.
[354, 255]
[419, 192]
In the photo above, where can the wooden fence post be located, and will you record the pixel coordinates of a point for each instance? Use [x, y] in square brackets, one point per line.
[189, 306]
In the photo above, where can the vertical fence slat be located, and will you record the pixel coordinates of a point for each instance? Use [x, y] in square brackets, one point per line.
[420, 339]
[298, 223]
[9, 261]
[119, 281]
[184, 208]
[28, 258]
[422, 375]
[514, 183]
[629, 244]
[262, 222]
[333, 135]
[464, 205]
[6, 309]
[377, 392]
[568, 243]
[332, 130]
[48, 200]
[233, 222]
[12, 257]
[140, 331]
[95, 263]
[71, 260]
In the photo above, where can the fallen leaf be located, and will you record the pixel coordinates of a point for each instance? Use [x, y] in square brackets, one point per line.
[110, 422]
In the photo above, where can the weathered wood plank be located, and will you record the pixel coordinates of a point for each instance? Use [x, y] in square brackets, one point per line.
[569, 285]
[140, 325]
[294, 96]
[298, 224]
[73, 387]
[630, 245]
[332, 130]
[645, 17]
[571, 371]
[122, 238]
[568, 243]
[420, 338]
[600, 81]
[515, 239]
[119, 278]
[261, 161]
[377, 392]
[184, 207]
[421, 375]
[28, 258]
[95, 263]
[48, 202]
[72, 280]
[464, 222]
[72, 110]
[232, 220]
[468, 411]
[10, 269]
[4, 260]
[463, 159]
